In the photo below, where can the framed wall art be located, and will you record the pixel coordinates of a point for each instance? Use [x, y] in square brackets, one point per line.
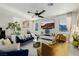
[26, 24]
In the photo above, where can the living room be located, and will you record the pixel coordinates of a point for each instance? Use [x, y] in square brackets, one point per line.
[39, 29]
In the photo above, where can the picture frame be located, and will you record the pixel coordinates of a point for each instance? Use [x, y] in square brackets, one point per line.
[26, 24]
[63, 28]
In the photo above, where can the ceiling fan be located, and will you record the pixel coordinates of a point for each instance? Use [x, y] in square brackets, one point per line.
[37, 13]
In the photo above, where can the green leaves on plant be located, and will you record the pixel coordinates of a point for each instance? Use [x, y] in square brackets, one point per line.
[14, 26]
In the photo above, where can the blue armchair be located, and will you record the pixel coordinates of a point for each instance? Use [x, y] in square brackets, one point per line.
[15, 53]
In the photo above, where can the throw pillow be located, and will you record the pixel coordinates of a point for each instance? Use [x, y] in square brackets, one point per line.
[27, 35]
[20, 36]
[1, 41]
[7, 42]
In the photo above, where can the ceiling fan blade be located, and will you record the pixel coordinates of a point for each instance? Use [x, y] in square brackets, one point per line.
[29, 12]
[41, 12]
[41, 16]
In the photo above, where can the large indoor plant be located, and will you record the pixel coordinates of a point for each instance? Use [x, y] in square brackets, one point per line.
[15, 26]
[75, 39]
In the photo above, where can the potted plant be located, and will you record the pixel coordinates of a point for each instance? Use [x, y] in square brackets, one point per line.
[16, 30]
[75, 39]
[15, 27]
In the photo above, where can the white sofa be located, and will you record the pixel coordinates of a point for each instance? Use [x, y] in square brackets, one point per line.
[5, 45]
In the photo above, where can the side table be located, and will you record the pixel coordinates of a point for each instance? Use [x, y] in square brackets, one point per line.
[36, 45]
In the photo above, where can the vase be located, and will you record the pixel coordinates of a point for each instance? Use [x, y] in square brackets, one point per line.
[13, 38]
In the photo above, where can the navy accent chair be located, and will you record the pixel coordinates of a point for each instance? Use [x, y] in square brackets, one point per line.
[15, 53]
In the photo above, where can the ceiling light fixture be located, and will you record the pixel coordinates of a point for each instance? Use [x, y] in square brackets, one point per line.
[50, 4]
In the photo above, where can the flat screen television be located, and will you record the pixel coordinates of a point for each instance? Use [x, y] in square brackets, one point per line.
[47, 25]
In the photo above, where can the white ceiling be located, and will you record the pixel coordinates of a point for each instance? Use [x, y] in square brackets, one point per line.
[9, 10]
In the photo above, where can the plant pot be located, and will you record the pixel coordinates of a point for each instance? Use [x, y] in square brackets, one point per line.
[13, 38]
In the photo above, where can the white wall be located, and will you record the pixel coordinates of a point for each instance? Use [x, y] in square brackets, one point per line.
[4, 23]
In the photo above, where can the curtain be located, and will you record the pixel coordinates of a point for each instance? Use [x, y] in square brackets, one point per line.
[69, 22]
[78, 19]
[73, 23]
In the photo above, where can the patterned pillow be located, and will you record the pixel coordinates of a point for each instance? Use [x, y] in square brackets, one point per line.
[27, 35]
[21, 37]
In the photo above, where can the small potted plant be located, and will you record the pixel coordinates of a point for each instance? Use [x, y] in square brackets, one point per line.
[15, 27]
[75, 39]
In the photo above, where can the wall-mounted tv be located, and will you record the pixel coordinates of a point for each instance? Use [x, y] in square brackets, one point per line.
[47, 24]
